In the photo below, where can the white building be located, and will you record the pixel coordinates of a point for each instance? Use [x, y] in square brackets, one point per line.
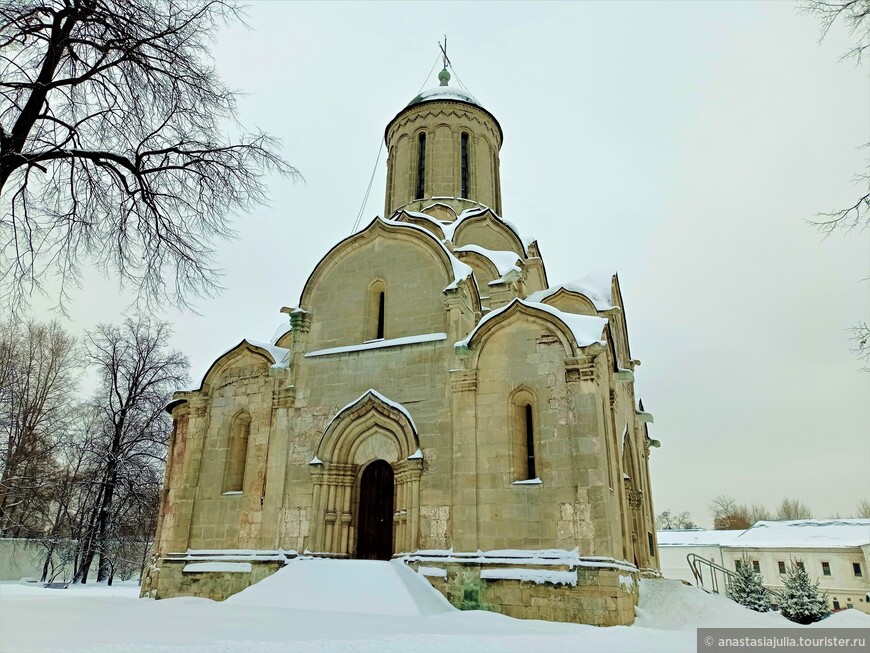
[676, 545]
[835, 552]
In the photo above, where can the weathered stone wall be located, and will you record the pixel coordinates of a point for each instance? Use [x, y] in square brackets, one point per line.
[174, 581]
[414, 274]
[601, 597]
[223, 519]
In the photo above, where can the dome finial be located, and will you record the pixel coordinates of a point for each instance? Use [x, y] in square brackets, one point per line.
[444, 76]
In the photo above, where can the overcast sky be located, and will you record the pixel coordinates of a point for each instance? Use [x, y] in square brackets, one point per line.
[685, 145]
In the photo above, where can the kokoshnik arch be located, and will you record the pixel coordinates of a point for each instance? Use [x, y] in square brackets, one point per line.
[430, 398]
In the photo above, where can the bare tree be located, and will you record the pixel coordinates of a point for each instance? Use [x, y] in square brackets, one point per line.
[793, 509]
[728, 515]
[863, 509]
[855, 14]
[669, 521]
[758, 512]
[74, 492]
[114, 148]
[137, 376]
[39, 364]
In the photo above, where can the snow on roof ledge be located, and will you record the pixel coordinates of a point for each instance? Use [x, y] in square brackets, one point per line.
[586, 329]
[279, 355]
[794, 534]
[597, 286]
[504, 261]
[806, 533]
[283, 329]
[386, 400]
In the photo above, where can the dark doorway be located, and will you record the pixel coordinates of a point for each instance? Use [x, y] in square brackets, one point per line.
[374, 540]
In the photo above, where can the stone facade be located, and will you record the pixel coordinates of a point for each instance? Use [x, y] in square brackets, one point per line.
[431, 340]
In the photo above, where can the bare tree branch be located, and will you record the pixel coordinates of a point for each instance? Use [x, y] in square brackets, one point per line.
[114, 148]
[855, 14]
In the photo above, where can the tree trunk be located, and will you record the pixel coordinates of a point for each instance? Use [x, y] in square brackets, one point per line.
[106, 513]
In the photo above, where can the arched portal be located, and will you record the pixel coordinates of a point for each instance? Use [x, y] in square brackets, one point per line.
[374, 539]
[370, 433]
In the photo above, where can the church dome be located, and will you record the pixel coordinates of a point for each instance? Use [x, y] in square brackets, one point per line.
[443, 144]
[445, 93]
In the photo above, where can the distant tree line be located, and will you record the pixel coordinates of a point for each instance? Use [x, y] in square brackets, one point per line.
[82, 477]
[729, 515]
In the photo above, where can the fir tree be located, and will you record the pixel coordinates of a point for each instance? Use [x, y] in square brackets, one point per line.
[746, 588]
[801, 601]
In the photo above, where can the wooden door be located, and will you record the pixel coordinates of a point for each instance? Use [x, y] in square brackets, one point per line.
[375, 524]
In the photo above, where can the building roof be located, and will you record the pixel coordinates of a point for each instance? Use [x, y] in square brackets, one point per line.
[796, 534]
[597, 286]
[805, 533]
[503, 261]
[586, 329]
[444, 93]
[695, 537]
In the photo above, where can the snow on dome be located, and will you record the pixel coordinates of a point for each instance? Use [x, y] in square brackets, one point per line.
[597, 286]
[504, 261]
[444, 93]
[586, 329]
[815, 533]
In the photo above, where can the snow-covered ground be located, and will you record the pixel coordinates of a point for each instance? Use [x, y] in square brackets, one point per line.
[322, 605]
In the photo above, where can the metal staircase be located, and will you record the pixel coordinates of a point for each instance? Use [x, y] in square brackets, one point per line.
[710, 576]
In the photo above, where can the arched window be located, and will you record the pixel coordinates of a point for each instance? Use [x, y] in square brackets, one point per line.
[530, 442]
[237, 453]
[376, 326]
[464, 165]
[523, 427]
[421, 165]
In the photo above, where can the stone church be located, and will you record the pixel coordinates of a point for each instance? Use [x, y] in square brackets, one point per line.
[431, 398]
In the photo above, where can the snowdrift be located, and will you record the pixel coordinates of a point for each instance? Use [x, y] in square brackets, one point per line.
[359, 586]
[324, 606]
[671, 605]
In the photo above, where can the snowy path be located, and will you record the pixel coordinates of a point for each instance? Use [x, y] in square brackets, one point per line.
[377, 608]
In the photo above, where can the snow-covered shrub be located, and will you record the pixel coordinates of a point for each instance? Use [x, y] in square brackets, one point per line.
[747, 589]
[800, 601]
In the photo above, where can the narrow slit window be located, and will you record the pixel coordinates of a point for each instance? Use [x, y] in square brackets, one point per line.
[421, 165]
[380, 330]
[237, 453]
[376, 312]
[464, 189]
[530, 443]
